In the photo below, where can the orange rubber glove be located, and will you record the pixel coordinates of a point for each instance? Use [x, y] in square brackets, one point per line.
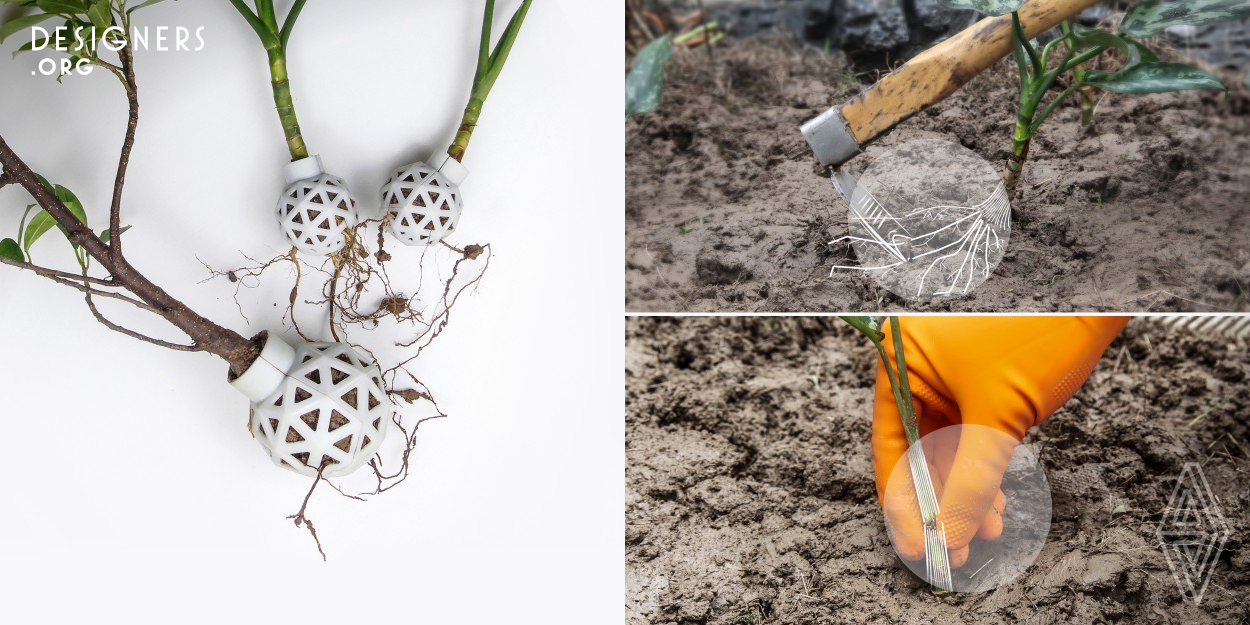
[1008, 373]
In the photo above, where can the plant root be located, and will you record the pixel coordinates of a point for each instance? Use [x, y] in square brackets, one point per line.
[302, 519]
[355, 287]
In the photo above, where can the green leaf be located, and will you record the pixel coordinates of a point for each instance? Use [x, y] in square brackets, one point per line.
[1134, 51]
[12, 251]
[30, 45]
[988, 7]
[100, 15]
[645, 83]
[43, 222]
[141, 5]
[1153, 16]
[40, 224]
[35, 228]
[79, 49]
[71, 202]
[869, 322]
[1153, 77]
[21, 227]
[868, 326]
[63, 7]
[20, 24]
[1145, 53]
[1083, 38]
[106, 234]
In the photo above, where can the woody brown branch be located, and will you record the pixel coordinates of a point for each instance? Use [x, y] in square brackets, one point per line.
[80, 282]
[47, 272]
[206, 335]
[128, 144]
[106, 322]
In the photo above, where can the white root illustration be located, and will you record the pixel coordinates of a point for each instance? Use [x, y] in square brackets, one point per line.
[969, 237]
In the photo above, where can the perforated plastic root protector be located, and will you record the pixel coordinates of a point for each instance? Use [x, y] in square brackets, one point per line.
[1026, 519]
[424, 202]
[316, 209]
[326, 407]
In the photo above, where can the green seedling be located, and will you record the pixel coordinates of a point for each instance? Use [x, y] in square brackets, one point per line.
[275, 36]
[1140, 70]
[937, 562]
[489, 66]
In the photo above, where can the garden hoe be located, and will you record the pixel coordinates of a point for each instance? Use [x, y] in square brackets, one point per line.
[838, 134]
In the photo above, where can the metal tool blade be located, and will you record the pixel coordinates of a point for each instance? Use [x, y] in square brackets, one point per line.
[845, 185]
[830, 138]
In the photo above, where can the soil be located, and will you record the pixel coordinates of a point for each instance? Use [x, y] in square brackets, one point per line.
[750, 496]
[727, 210]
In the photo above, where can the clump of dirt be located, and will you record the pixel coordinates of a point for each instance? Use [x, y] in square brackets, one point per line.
[727, 210]
[750, 496]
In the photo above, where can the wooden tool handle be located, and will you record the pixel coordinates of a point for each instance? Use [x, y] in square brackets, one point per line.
[937, 72]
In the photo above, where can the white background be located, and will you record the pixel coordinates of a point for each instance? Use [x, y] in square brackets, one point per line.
[132, 486]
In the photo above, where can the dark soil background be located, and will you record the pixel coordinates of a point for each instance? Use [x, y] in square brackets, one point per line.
[727, 210]
[750, 497]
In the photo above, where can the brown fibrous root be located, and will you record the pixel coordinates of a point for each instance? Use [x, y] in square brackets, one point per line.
[350, 280]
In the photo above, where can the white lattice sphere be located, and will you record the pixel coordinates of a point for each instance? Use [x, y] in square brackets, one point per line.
[316, 209]
[424, 201]
[315, 404]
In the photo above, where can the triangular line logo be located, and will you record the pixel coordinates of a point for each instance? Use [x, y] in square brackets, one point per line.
[1192, 533]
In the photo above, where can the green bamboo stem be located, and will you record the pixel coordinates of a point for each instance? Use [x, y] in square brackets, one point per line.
[1050, 108]
[285, 105]
[274, 36]
[1075, 61]
[900, 386]
[907, 409]
[1020, 140]
[1035, 82]
[468, 123]
[1017, 31]
[489, 66]
[1086, 94]
[866, 326]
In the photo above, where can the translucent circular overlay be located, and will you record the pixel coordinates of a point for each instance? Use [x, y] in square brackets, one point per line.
[992, 561]
[929, 219]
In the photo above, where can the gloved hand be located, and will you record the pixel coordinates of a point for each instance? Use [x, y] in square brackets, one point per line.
[1007, 373]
